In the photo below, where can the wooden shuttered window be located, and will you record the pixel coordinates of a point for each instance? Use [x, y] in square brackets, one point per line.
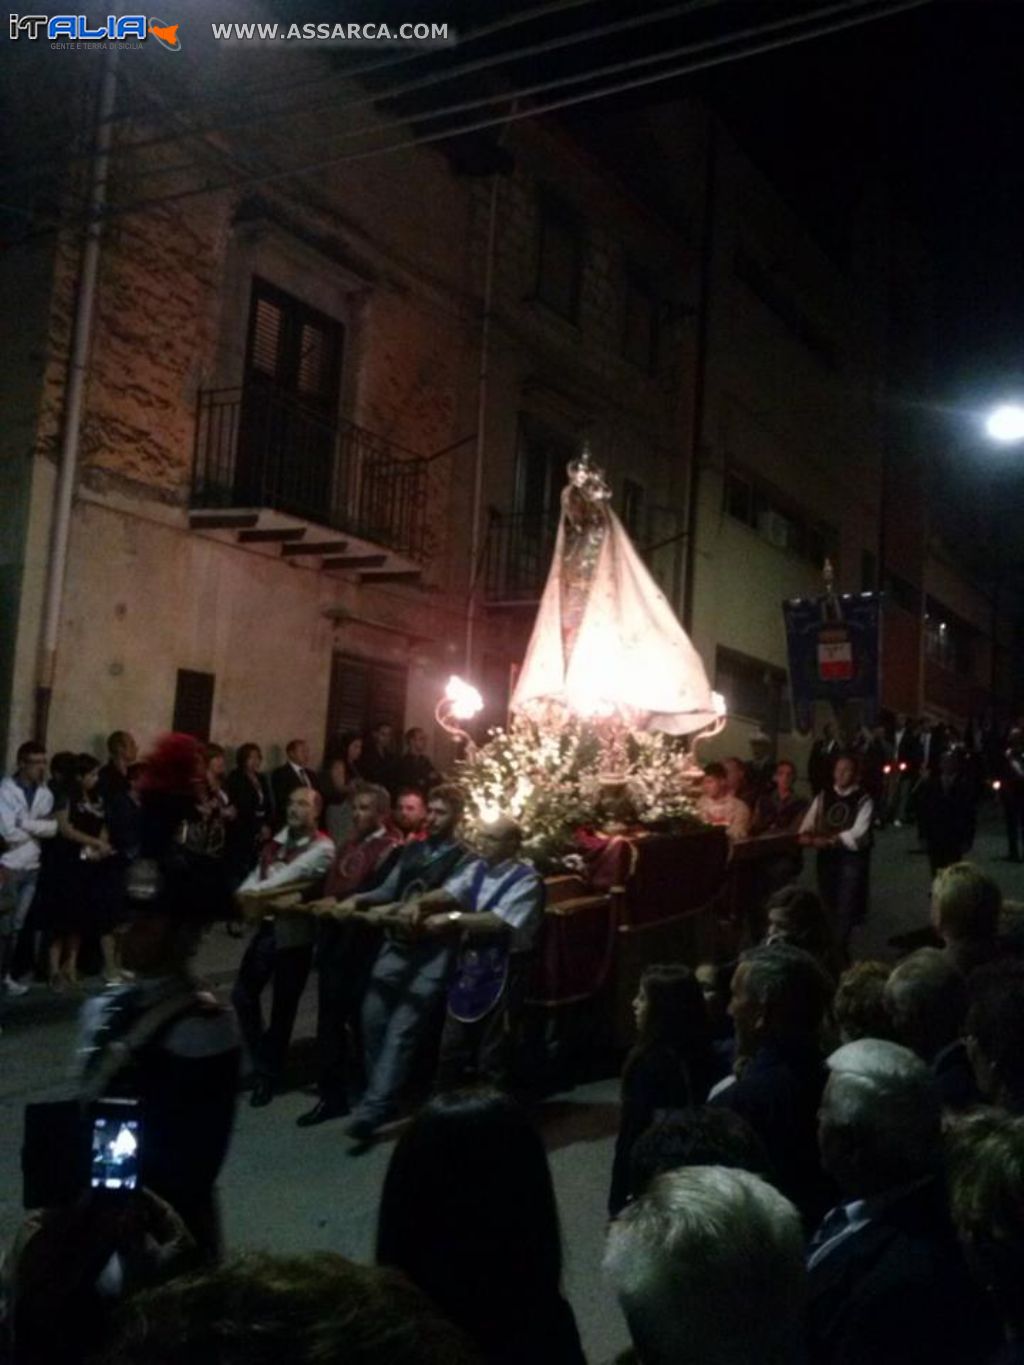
[295, 348]
[362, 694]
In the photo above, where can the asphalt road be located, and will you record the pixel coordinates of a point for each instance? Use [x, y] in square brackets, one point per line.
[292, 1190]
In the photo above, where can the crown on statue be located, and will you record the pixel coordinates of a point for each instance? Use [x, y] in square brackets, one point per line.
[588, 478]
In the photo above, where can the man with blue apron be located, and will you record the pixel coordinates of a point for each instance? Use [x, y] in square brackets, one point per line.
[493, 907]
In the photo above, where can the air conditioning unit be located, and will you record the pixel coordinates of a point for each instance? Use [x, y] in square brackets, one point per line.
[776, 529]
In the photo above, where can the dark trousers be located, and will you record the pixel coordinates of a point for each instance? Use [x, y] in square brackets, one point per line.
[1013, 809]
[843, 885]
[345, 958]
[483, 1050]
[287, 970]
[942, 855]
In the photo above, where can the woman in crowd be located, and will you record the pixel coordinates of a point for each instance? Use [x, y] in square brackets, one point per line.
[672, 1066]
[247, 792]
[337, 813]
[468, 1213]
[796, 915]
[82, 894]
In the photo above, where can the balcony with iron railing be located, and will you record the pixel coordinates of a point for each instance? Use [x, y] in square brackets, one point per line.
[259, 451]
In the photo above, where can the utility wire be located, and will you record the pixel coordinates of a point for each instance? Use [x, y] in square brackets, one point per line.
[438, 78]
[315, 167]
[54, 156]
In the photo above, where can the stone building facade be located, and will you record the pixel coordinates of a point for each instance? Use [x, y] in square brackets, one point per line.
[327, 415]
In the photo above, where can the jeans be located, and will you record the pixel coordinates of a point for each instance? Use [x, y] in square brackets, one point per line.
[406, 988]
[16, 895]
[843, 884]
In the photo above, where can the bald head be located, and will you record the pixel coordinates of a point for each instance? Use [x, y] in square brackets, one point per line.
[303, 810]
[500, 839]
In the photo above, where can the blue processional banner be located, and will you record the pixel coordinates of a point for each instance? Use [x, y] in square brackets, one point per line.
[834, 652]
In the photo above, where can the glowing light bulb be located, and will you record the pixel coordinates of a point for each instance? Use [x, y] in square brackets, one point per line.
[466, 701]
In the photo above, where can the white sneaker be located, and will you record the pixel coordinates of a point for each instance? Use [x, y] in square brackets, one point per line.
[13, 987]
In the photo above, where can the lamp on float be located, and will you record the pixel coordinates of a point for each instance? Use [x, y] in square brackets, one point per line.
[461, 702]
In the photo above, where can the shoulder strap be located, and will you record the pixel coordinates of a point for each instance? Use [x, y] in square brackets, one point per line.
[119, 1051]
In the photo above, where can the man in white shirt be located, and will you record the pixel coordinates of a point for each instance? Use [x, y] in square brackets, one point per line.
[494, 907]
[838, 824]
[718, 806]
[281, 950]
[26, 808]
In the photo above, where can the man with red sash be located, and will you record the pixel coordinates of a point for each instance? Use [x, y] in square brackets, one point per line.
[281, 950]
[348, 946]
[493, 907]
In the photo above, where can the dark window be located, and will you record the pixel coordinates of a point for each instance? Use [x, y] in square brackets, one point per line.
[633, 510]
[640, 324]
[193, 703]
[296, 348]
[903, 594]
[753, 690]
[560, 258]
[739, 498]
[362, 693]
[948, 641]
[287, 436]
[777, 521]
[777, 294]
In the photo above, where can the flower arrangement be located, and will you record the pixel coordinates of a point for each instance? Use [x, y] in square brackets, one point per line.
[555, 779]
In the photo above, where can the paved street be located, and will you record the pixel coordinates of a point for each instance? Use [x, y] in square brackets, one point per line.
[293, 1190]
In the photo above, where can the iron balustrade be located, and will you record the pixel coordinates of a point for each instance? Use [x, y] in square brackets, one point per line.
[520, 546]
[258, 447]
[518, 556]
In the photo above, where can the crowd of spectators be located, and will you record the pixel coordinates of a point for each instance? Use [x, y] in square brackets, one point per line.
[816, 1162]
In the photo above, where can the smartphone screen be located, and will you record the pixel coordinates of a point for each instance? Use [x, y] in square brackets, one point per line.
[116, 1137]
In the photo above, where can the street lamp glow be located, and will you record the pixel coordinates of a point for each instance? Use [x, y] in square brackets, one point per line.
[1005, 424]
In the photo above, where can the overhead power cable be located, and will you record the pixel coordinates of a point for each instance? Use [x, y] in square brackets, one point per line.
[303, 109]
[55, 155]
[518, 115]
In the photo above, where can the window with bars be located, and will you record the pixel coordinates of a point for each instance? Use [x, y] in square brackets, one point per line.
[364, 693]
[640, 323]
[754, 690]
[633, 509]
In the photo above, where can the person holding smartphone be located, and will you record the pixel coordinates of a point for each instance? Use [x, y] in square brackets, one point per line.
[162, 1039]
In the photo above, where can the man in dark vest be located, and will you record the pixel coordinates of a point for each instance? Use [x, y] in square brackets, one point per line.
[838, 825]
[410, 974]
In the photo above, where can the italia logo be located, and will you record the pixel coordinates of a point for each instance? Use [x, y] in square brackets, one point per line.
[55, 28]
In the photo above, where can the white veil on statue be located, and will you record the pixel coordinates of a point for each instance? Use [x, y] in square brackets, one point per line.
[606, 643]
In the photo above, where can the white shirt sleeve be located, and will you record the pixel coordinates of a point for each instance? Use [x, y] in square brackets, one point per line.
[522, 909]
[313, 861]
[739, 825]
[460, 883]
[809, 823]
[856, 837]
[12, 816]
